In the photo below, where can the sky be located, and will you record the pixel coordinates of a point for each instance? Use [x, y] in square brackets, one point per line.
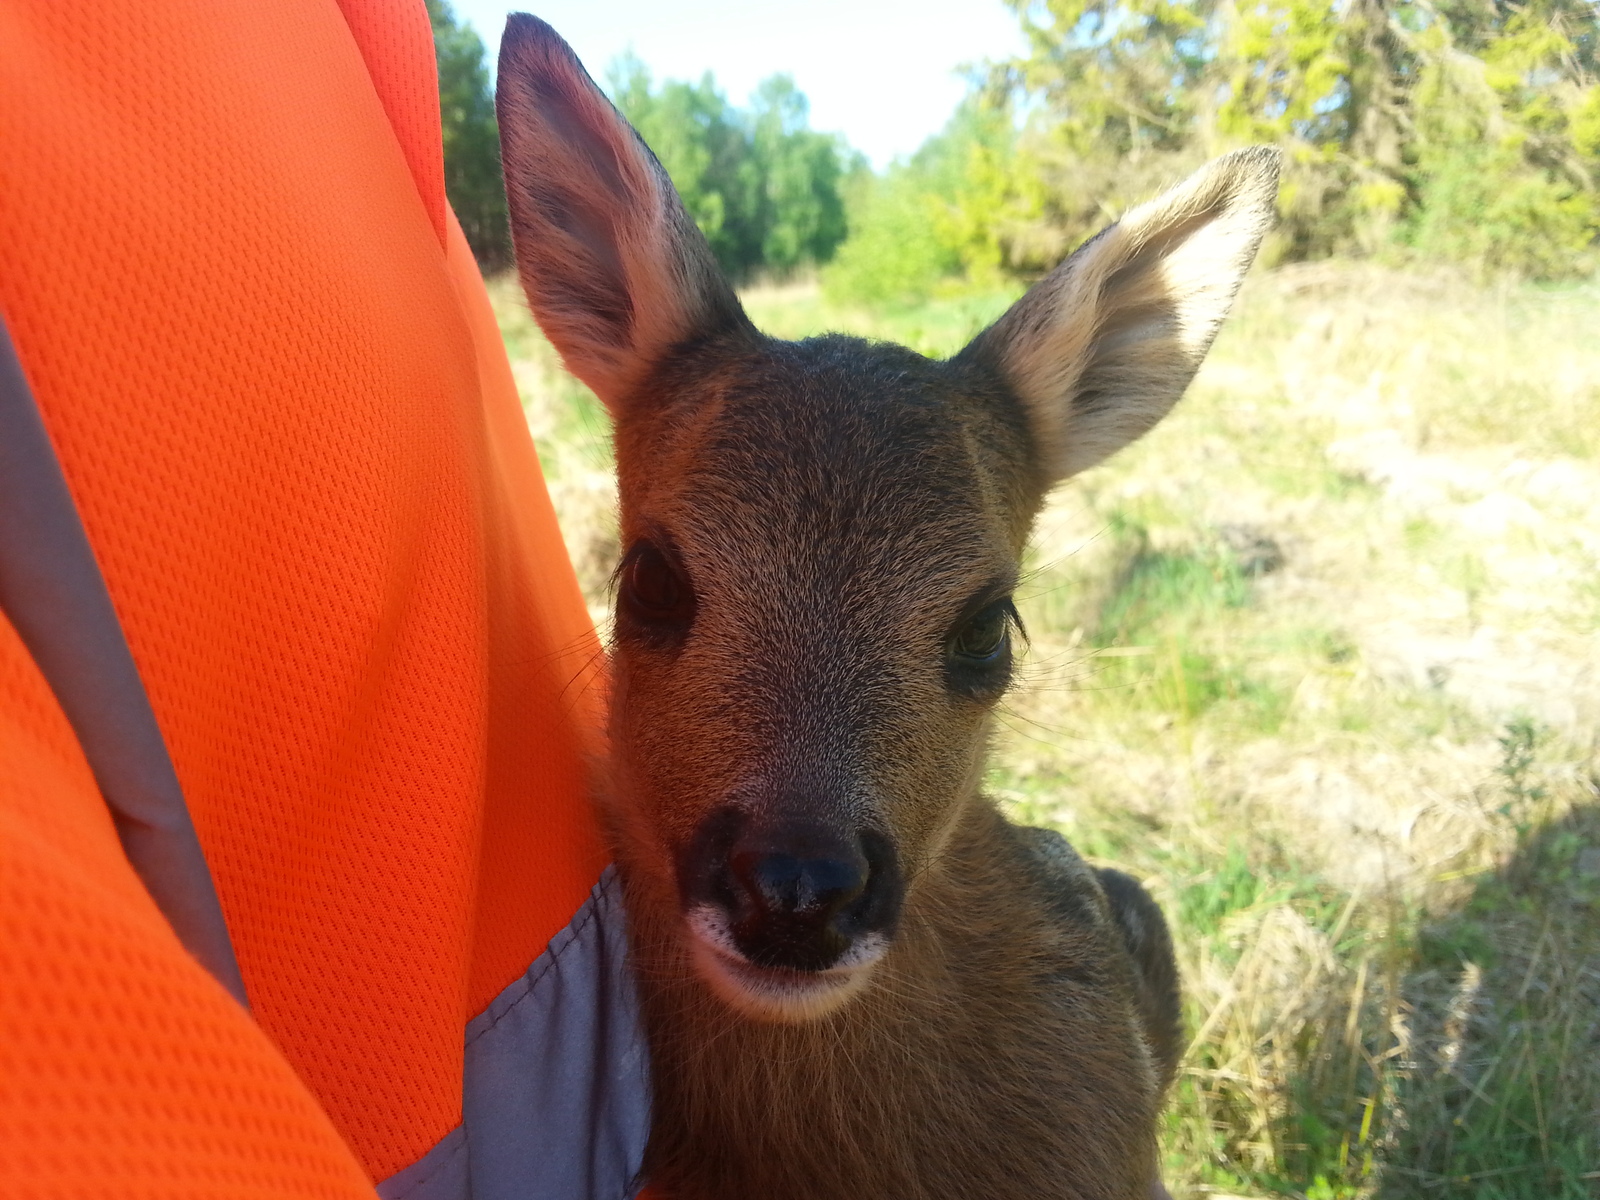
[885, 73]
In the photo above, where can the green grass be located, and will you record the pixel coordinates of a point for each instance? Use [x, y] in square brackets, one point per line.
[1269, 1101]
[1329, 1059]
[1513, 1112]
[570, 427]
[938, 328]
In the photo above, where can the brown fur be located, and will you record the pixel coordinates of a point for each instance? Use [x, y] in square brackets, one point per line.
[837, 511]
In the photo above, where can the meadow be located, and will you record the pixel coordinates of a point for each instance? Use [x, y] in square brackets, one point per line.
[1318, 661]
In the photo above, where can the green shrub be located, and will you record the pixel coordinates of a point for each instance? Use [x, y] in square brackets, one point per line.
[894, 255]
[1482, 207]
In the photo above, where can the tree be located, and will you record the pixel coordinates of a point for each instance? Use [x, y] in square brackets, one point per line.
[761, 185]
[800, 210]
[964, 210]
[472, 179]
[1464, 129]
[701, 141]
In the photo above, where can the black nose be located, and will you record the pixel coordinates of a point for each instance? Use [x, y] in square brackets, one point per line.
[796, 896]
[787, 906]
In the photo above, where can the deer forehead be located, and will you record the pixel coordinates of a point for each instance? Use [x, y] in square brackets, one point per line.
[833, 460]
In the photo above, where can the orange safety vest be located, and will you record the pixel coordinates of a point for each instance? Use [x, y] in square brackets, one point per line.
[277, 395]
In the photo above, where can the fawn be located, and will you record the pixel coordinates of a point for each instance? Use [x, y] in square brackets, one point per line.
[858, 979]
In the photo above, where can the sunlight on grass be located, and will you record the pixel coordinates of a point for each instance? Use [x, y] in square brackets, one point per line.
[938, 328]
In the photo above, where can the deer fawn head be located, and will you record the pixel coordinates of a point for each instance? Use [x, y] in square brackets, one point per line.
[814, 615]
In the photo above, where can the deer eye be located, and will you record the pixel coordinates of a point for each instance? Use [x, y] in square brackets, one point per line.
[984, 637]
[653, 590]
[978, 652]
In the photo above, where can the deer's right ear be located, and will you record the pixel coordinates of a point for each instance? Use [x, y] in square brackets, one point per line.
[615, 271]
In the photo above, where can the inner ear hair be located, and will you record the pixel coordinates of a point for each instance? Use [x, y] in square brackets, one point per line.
[615, 271]
[1102, 348]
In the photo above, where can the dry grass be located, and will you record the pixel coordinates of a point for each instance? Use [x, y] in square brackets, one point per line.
[1318, 661]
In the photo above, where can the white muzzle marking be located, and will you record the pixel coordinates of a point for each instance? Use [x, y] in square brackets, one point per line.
[773, 993]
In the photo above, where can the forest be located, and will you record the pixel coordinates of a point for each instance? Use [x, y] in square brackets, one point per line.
[1464, 131]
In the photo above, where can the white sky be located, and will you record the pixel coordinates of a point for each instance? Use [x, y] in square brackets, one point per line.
[882, 72]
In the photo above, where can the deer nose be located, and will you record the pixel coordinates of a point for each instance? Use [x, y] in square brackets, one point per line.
[786, 885]
[787, 907]
[799, 898]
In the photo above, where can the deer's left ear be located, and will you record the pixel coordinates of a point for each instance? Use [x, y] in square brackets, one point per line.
[1101, 348]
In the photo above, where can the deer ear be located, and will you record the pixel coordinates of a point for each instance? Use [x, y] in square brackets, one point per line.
[1101, 348]
[614, 269]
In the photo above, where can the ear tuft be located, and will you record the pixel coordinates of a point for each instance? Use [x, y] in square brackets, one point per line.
[1102, 348]
[614, 269]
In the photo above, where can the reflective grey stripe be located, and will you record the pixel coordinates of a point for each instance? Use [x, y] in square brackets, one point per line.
[52, 591]
[556, 1096]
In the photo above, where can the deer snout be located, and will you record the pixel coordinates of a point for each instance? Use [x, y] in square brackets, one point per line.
[792, 896]
[793, 907]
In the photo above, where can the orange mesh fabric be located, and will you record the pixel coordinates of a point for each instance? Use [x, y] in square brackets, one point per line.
[539, 851]
[396, 42]
[282, 407]
[124, 1068]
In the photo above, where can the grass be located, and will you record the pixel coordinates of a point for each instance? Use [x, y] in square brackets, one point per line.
[1513, 1096]
[1317, 661]
[938, 328]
